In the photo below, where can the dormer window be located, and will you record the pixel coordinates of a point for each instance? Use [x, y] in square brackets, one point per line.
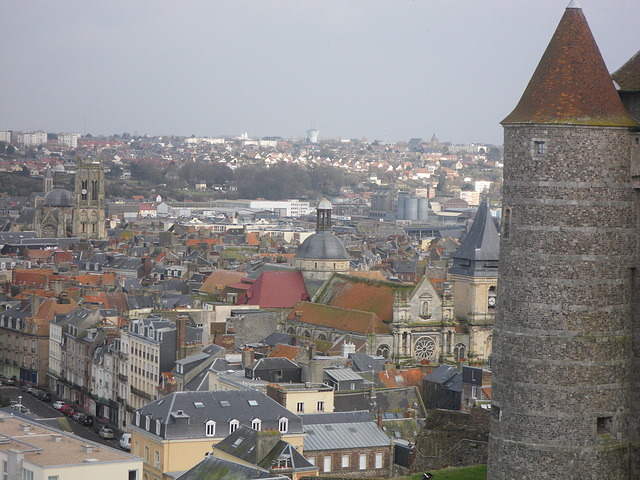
[256, 424]
[147, 422]
[210, 428]
[138, 419]
[233, 425]
[158, 426]
[283, 425]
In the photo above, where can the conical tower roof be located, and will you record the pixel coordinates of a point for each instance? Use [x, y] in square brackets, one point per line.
[571, 84]
[477, 255]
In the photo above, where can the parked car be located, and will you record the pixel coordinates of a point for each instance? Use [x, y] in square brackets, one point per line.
[20, 408]
[69, 412]
[76, 416]
[84, 419]
[38, 393]
[105, 432]
[125, 442]
[58, 405]
[66, 409]
[11, 381]
[45, 397]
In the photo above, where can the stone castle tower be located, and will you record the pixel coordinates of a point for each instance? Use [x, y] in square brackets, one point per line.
[89, 205]
[565, 382]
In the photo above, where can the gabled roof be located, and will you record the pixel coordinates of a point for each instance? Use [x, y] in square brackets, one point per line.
[220, 279]
[338, 318]
[571, 84]
[277, 290]
[366, 295]
[217, 468]
[343, 434]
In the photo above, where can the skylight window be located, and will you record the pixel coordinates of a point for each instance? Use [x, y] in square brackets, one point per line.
[224, 403]
[198, 404]
[238, 441]
[253, 403]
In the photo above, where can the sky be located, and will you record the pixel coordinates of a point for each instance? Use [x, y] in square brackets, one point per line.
[385, 70]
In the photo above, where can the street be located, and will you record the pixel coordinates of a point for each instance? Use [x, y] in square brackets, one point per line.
[45, 412]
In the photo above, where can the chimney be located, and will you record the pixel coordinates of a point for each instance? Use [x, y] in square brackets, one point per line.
[36, 301]
[247, 357]
[265, 442]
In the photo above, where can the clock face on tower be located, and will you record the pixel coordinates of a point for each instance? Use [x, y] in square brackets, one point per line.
[84, 191]
[492, 301]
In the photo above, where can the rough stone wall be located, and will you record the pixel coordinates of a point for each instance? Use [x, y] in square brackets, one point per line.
[443, 430]
[562, 335]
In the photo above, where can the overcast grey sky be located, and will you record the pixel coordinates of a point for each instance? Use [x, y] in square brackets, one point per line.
[386, 70]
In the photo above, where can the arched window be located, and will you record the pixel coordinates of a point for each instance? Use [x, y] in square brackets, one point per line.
[158, 423]
[137, 419]
[147, 422]
[460, 352]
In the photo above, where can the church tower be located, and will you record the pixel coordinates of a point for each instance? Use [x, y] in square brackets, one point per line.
[562, 339]
[474, 275]
[322, 254]
[47, 184]
[89, 206]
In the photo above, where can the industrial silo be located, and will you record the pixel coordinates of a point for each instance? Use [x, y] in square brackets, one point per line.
[411, 208]
[402, 199]
[423, 208]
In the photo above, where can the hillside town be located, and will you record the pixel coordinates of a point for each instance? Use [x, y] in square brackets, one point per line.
[344, 315]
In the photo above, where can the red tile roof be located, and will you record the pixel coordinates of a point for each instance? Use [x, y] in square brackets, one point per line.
[220, 279]
[347, 291]
[402, 378]
[338, 318]
[285, 351]
[571, 84]
[277, 290]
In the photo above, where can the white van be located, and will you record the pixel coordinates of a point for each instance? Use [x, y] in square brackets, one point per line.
[125, 442]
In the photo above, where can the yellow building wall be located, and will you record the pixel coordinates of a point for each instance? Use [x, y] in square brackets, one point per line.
[310, 399]
[96, 471]
[178, 455]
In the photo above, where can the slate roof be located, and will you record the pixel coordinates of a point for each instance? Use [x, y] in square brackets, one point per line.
[338, 318]
[571, 84]
[214, 468]
[242, 444]
[477, 255]
[628, 76]
[366, 363]
[447, 376]
[219, 406]
[323, 245]
[386, 400]
[277, 290]
[335, 431]
[342, 374]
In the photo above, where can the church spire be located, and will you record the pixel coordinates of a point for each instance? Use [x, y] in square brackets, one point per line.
[477, 255]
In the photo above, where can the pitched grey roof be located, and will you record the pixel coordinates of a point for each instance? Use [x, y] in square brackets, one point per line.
[183, 414]
[220, 469]
[341, 374]
[447, 376]
[336, 433]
